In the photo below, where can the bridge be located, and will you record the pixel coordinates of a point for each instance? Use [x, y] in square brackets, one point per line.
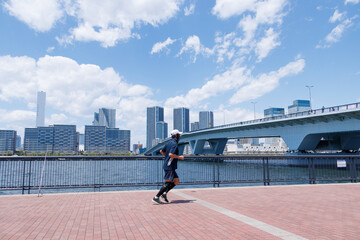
[331, 128]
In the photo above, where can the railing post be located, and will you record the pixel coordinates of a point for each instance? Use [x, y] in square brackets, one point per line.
[29, 176]
[214, 180]
[268, 171]
[218, 172]
[311, 166]
[23, 185]
[264, 172]
[352, 163]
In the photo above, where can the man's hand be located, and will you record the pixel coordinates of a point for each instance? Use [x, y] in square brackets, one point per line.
[181, 157]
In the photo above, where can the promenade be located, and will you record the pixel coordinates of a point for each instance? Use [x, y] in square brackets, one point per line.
[323, 211]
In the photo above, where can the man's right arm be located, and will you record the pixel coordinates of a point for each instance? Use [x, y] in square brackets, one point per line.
[162, 153]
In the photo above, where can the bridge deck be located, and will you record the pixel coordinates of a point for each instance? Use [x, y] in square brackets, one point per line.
[288, 212]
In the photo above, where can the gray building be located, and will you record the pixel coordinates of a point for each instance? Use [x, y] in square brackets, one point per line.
[181, 119]
[206, 119]
[95, 139]
[99, 139]
[7, 141]
[18, 142]
[195, 126]
[106, 117]
[153, 116]
[40, 109]
[52, 139]
[161, 130]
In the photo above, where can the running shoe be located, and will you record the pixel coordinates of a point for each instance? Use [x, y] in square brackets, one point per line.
[164, 196]
[156, 200]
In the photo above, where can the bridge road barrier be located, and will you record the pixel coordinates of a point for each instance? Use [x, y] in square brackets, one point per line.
[82, 173]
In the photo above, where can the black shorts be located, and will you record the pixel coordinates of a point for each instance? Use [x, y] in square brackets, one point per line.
[170, 175]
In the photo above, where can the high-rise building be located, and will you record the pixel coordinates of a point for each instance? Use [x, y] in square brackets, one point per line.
[181, 119]
[65, 139]
[95, 139]
[18, 142]
[153, 116]
[206, 119]
[137, 147]
[273, 112]
[161, 130]
[99, 139]
[52, 139]
[195, 126]
[106, 117]
[299, 106]
[7, 141]
[40, 110]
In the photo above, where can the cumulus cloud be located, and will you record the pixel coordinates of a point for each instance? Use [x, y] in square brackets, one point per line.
[104, 21]
[189, 10]
[159, 46]
[40, 15]
[266, 44]
[72, 89]
[265, 83]
[193, 45]
[237, 78]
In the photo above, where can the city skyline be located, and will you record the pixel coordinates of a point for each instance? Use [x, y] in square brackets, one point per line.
[217, 56]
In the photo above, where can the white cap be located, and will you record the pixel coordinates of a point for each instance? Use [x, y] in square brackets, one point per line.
[175, 132]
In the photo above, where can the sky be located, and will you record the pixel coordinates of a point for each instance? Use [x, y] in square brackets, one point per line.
[235, 58]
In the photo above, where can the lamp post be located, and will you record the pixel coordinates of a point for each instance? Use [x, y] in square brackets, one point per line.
[309, 94]
[254, 109]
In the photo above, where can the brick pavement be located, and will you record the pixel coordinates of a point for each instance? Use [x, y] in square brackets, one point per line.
[309, 211]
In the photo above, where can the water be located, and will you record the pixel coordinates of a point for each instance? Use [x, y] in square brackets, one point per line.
[108, 175]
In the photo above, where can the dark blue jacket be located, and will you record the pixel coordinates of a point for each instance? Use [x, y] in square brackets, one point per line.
[170, 147]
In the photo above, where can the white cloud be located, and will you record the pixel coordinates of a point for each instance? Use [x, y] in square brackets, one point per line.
[104, 21]
[265, 83]
[220, 83]
[159, 46]
[189, 10]
[73, 90]
[228, 8]
[17, 115]
[266, 44]
[352, 1]
[194, 46]
[336, 33]
[336, 16]
[40, 15]
[50, 49]
[56, 119]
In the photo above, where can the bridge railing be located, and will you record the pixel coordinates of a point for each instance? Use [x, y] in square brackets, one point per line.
[23, 175]
[292, 115]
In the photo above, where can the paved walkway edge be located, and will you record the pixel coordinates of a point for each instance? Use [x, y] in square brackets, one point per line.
[242, 218]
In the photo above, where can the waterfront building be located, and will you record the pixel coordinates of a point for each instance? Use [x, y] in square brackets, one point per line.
[52, 139]
[137, 147]
[153, 116]
[195, 126]
[95, 139]
[181, 119]
[206, 119]
[40, 109]
[106, 117]
[273, 112]
[299, 106]
[7, 141]
[18, 142]
[99, 139]
[65, 139]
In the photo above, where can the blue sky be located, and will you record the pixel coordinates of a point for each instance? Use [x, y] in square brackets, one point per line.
[205, 55]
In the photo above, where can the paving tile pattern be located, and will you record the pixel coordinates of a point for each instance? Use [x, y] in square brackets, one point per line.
[313, 212]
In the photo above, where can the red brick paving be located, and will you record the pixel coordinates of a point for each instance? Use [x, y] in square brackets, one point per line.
[310, 211]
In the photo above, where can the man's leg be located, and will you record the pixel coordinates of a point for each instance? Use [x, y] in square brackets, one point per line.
[164, 189]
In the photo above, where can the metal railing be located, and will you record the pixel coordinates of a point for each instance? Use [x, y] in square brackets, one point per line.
[24, 173]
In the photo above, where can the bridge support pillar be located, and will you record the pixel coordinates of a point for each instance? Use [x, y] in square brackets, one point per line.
[217, 146]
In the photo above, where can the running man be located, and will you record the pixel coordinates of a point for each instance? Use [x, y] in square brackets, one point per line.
[171, 153]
